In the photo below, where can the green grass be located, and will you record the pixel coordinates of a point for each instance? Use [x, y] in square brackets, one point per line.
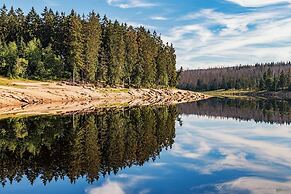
[10, 81]
[230, 93]
[113, 90]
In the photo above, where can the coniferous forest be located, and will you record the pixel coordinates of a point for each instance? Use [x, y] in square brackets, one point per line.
[269, 77]
[82, 48]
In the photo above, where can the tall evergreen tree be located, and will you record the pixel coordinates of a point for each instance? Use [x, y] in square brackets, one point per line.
[162, 66]
[131, 51]
[102, 68]
[172, 67]
[47, 27]
[92, 40]
[32, 25]
[116, 54]
[75, 46]
[147, 54]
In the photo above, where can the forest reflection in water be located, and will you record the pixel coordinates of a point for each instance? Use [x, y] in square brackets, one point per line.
[93, 145]
[90, 145]
[259, 110]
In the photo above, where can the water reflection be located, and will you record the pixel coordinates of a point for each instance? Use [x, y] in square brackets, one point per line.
[214, 146]
[259, 110]
[90, 145]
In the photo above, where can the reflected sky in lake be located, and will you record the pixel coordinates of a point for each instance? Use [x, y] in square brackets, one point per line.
[210, 155]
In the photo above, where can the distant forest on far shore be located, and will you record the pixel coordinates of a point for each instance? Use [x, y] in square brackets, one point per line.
[86, 48]
[268, 76]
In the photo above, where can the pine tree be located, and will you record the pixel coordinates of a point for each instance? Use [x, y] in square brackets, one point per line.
[75, 58]
[12, 30]
[131, 60]
[172, 67]
[102, 68]
[20, 25]
[47, 27]
[92, 41]
[162, 66]
[282, 81]
[116, 54]
[4, 27]
[147, 54]
[32, 26]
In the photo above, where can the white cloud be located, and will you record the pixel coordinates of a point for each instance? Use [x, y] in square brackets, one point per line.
[258, 3]
[136, 24]
[255, 186]
[210, 38]
[234, 145]
[120, 185]
[108, 188]
[159, 18]
[125, 4]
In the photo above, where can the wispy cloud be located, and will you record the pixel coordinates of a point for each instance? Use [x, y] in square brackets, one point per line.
[258, 3]
[255, 185]
[214, 38]
[136, 24]
[120, 185]
[125, 4]
[234, 146]
[159, 18]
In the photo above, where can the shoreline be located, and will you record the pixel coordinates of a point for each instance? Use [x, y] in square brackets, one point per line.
[279, 95]
[21, 97]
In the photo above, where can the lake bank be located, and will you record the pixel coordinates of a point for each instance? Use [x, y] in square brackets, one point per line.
[279, 95]
[34, 97]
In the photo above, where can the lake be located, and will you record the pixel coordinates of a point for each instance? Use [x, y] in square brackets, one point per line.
[212, 146]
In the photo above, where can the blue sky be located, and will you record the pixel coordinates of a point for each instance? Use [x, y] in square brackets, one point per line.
[205, 33]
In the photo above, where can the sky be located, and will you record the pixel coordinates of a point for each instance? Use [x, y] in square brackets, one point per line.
[205, 33]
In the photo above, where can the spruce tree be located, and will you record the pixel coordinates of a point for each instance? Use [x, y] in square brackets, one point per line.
[47, 27]
[147, 54]
[75, 46]
[4, 27]
[116, 54]
[172, 67]
[32, 25]
[103, 58]
[131, 51]
[12, 22]
[20, 25]
[282, 81]
[92, 40]
[162, 66]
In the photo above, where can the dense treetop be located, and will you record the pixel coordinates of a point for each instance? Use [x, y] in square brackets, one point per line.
[87, 48]
[269, 76]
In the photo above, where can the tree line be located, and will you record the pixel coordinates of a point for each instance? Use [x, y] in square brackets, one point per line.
[83, 48]
[83, 145]
[258, 110]
[268, 76]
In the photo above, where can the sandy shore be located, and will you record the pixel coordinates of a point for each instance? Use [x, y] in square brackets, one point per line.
[21, 97]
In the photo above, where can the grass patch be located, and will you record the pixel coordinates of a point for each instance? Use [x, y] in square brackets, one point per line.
[230, 93]
[113, 90]
[12, 81]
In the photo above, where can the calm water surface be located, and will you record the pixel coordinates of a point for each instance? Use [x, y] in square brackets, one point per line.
[213, 146]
